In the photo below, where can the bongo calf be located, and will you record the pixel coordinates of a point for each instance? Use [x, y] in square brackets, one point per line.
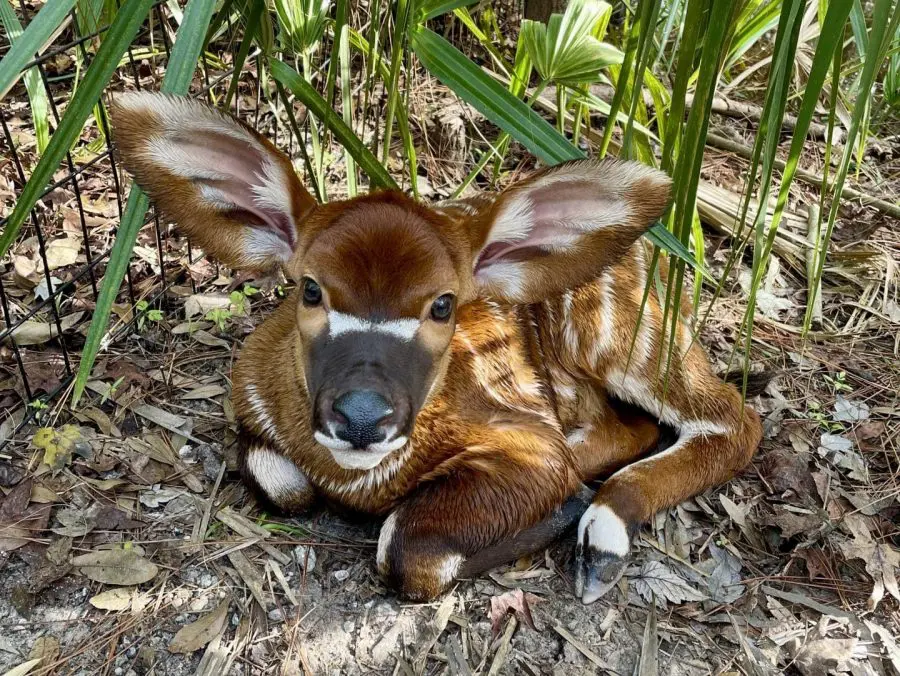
[456, 368]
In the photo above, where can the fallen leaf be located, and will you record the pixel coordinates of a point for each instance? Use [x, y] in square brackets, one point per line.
[75, 522]
[738, 513]
[208, 339]
[43, 291]
[34, 332]
[200, 304]
[116, 566]
[724, 582]
[24, 668]
[194, 636]
[170, 421]
[846, 410]
[19, 522]
[43, 495]
[840, 450]
[117, 599]
[825, 655]
[515, 601]
[881, 560]
[158, 496]
[10, 475]
[59, 445]
[204, 392]
[657, 579]
[791, 523]
[62, 252]
[45, 649]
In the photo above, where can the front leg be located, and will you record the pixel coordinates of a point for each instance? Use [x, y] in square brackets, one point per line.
[506, 480]
[272, 475]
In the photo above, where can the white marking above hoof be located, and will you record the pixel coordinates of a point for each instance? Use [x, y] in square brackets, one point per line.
[603, 530]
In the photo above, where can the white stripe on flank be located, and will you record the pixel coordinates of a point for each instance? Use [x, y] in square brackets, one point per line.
[340, 323]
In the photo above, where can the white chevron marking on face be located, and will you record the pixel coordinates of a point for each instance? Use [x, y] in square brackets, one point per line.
[340, 323]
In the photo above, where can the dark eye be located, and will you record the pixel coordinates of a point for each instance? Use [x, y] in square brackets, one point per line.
[312, 292]
[442, 307]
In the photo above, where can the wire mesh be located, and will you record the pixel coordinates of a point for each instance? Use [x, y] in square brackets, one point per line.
[38, 296]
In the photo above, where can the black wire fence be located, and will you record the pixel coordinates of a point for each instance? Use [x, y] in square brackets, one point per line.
[47, 307]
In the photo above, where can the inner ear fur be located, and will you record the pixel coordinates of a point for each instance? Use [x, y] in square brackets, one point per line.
[228, 187]
[562, 226]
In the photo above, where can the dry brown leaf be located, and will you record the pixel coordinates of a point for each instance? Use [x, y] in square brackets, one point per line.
[62, 252]
[516, 601]
[35, 332]
[882, 562]
[45, 649]
[19, 522]
[117, 599]
[204, 392]
[200, 632]
[208, 339]
[116, 566]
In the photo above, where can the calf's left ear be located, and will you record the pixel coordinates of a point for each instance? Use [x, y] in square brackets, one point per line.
[562, 226]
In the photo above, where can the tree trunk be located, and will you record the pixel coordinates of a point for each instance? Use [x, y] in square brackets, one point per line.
[540, 10]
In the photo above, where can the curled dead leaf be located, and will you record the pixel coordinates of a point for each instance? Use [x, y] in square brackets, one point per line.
[200, 632]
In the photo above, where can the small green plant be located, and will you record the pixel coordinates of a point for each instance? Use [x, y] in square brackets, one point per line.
[839, 382]
[239, 304]
[38, 405]
[219, 316]
[111, 392]
[146, 314]
[818, 414]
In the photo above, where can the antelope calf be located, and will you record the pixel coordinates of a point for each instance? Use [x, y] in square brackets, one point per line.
[457, 369]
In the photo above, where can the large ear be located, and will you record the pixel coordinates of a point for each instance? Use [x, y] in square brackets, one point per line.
[228, 187]
[562, 226]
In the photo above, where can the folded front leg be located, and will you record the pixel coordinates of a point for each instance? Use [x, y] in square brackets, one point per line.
[272, 475]
[507, 479]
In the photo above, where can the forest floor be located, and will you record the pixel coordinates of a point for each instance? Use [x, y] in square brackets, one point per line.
[791, 567]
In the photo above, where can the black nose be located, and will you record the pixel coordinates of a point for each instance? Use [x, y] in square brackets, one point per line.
[363, 410]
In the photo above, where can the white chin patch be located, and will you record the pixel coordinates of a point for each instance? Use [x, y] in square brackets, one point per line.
[358, 459]
[348, 458]
[605, 531]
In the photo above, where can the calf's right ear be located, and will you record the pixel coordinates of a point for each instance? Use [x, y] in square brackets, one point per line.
[225, 185]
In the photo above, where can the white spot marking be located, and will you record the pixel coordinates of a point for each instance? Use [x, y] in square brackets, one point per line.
[446, 572]
[276, 474]
[340, 323]
[384, 539]
[605, 530]
[578, 435]
[263, 419]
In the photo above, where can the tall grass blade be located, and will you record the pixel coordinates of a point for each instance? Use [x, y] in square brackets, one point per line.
[186, 52]
[33, 38]
[318, 106]
[37, 95]
[884, 26]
